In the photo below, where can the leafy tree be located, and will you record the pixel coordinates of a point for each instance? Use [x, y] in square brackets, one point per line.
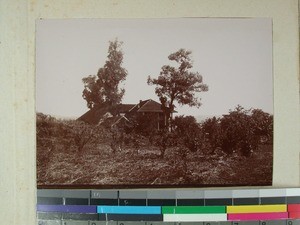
[236, 131]
[178, 84]
[243, 130]
[182, 123]
[212, 132]
[103, 89]
[189, 132]
[262, 123]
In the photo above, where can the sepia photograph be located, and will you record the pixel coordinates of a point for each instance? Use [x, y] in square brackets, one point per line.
[142, 103]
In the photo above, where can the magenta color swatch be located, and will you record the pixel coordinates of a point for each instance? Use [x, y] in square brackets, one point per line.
[257, 216]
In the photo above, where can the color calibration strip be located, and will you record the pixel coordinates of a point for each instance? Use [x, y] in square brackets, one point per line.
[158, 207]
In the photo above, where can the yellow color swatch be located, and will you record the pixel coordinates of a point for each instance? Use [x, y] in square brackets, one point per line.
[256, 208]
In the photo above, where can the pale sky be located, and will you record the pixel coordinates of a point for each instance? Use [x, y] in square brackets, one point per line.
[234, 56]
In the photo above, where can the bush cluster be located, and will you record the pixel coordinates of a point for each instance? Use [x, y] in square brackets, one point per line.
[241, 131]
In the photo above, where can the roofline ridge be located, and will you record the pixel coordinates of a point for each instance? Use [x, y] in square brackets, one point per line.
[147, 101]
[132, 108]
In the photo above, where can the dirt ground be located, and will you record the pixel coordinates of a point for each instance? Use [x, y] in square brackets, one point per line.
[99, 167]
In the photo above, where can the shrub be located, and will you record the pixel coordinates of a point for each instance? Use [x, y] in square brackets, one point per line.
[189, 132]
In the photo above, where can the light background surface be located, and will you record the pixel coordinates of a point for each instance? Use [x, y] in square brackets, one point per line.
[17, 50]
[234, 56]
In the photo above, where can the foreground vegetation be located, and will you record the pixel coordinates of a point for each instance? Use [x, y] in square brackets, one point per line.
[235, 149]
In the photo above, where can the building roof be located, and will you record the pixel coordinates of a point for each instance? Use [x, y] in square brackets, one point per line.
[93, 116]
[150, 106]
[98, 113]
[123, 108]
